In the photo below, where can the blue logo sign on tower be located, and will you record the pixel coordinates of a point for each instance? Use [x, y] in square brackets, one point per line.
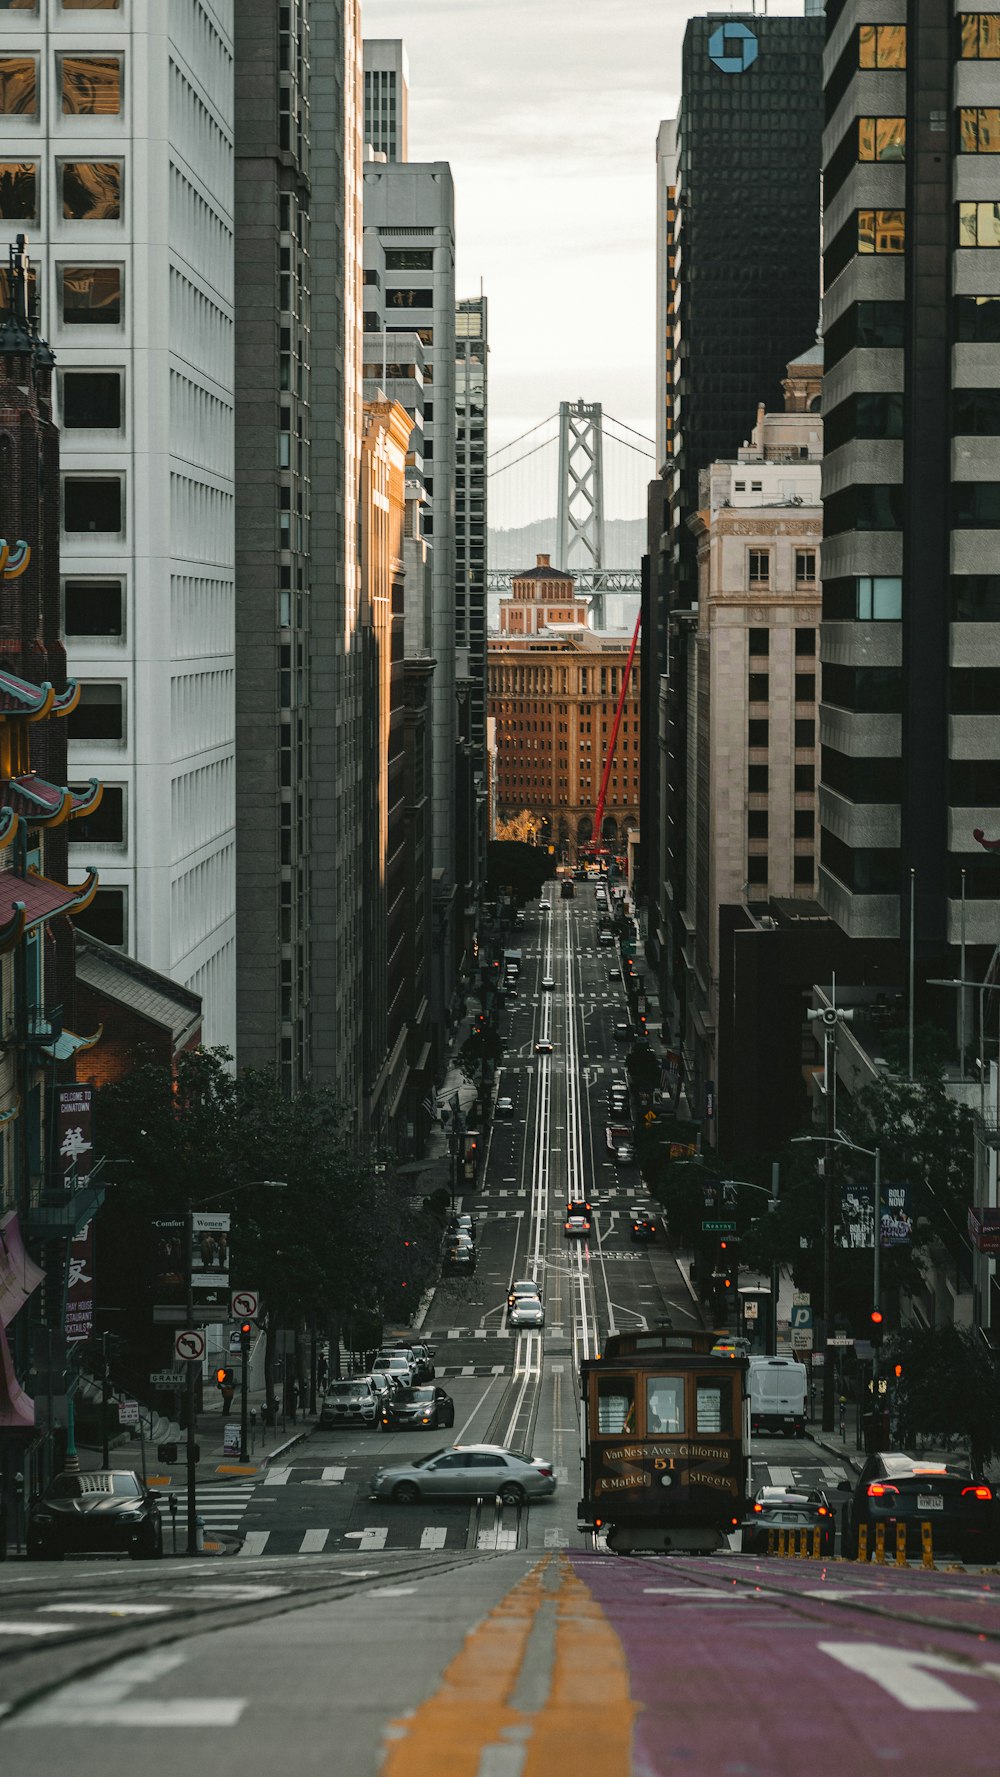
[733, 48]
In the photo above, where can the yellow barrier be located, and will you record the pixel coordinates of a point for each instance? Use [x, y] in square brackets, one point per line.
[817, 1542]
[901, 1545]
[803, 1545]
[927, 1543]
[772, 1541]
[862, 1542]
[880, 1544]
[782, 1542]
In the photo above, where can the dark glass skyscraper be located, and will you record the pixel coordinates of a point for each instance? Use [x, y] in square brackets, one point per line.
[747, 244]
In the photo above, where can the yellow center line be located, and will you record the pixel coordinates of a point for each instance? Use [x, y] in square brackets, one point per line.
[585, 1724]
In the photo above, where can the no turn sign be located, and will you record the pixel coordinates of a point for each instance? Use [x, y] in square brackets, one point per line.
[244, 1304]
[189, 1344]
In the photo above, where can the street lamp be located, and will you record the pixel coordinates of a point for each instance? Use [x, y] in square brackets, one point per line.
[267, 1184]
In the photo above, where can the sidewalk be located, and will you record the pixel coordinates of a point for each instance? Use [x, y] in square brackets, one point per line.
[845, 1450]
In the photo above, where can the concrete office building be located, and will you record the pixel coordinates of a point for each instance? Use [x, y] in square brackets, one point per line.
[911, 481]
[751, 670]
[387, 85]
[471, 525]
[743, 158]
[300, 684]
[409, 256]
[112, 116]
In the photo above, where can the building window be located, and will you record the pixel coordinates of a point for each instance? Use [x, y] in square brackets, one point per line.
[92, 400]
[760, 641]
[757, 688]
[872, 506]
[18, 190]
[975, 598]
[92, 190]
[757, 823]
[803, 871]
[409, 299]
[805, 733]
[805, 779]
[105, 917]
[18, 86]
[757, 868]
[94, 607]
[881, 231]
[976, 504]
[805, 823]
[979, 224]
[91, 85]
[805, 567]
[881, 138]
[979, 36]
[976, 412]
[100, 713]
[91, 295]
[92, 503]
[805, 642]
[979, 129]
[409, 259]
[881, 46]
[757, 732]
[805, 687]
[757, 780]
[106, 825]
[878, 598]
[759, 568]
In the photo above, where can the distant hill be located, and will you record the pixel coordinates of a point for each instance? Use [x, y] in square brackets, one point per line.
[624, 543]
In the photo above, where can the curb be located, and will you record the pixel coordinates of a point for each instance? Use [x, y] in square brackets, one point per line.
[689, 1286]
[279, 1449]
[424, 1309]
[841, 1455]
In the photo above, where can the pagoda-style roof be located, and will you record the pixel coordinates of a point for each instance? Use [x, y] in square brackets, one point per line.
[33, 899]
[47, 805]
[19, 697]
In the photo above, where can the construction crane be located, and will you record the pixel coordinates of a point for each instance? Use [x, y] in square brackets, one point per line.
[595, 847]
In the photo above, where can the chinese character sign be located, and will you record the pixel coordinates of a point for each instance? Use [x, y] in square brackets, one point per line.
[75, 1135]
[80, 1286]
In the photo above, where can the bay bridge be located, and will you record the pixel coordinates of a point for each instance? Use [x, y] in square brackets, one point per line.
[589, 479]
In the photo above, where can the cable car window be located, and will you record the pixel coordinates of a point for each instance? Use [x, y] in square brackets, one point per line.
[664, 1404]
[715, 1405]
[615, 1405]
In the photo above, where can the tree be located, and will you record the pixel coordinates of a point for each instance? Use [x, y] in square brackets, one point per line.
[949, 1388]
[523, 828]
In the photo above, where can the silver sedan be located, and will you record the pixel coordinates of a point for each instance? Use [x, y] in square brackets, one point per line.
[468, 1471]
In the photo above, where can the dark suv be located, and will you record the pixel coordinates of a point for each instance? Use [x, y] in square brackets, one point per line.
[894, 1488]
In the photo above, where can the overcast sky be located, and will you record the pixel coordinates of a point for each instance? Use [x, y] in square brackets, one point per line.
[548, 112]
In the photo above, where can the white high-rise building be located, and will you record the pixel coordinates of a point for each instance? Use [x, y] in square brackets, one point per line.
[116, 160]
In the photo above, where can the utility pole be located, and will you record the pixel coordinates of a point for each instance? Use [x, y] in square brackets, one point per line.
[775, 1267]
[829, 1052]
[191, 1451]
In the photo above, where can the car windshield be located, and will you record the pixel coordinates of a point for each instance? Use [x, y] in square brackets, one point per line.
[422, 1395]
[97, 1481]
[347, 1391]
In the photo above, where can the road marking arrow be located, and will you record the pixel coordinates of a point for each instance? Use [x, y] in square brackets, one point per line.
[905, 1673]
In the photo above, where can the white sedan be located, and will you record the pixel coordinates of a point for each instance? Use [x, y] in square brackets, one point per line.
[527, 1312]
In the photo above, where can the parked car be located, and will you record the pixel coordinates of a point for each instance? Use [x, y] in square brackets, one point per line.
[527, 1312]
[642, 1227]
[467, 1471]
[504, 1106]
[894, 1488]
[96, 1511]
[462, 1224]
[788, 1508]
[427, 1404]
[419, 1358]
[459, 1259]
[356, 1400]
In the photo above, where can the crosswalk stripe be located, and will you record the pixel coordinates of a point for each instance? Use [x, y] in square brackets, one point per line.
[433, 1537]
[314, 1542]
[107, 1610]
[255, 1542]
[334, 1474]
[468, 1369]
[27, 1628]
[374, 1536]
[276, 1477]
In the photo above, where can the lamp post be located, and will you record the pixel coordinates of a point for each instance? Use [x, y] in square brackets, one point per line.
[835, 1139]
[190, 1447]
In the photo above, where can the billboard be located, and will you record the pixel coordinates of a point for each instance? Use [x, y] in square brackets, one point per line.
[79, 1321]
[75, 1135]
[857, 1216]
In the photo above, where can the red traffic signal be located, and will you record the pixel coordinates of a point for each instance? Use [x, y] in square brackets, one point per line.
[876, 1317]
[220, 1377]
[246, 1328]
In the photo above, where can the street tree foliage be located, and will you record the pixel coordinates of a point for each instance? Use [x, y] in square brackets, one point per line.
[523, 827]
[521, 868]
[949, 1389]
[329, 1245]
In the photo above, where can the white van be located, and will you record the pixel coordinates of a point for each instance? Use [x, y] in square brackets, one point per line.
[777, 1388]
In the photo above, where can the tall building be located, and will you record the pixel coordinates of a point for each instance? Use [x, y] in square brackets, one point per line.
[744, 164]
[666, 287]
[751, 683]
[409, 258]
[911, 480]
[300, 681]
[554, 685]
[387, 78]
[111, 117]
[471, 526]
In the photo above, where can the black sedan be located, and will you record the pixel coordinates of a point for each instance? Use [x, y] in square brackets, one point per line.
[791, 1509]
[428, 1405]
[894, 1488]
[101, 1511]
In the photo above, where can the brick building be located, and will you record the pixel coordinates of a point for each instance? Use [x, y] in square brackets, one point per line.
[554, 685]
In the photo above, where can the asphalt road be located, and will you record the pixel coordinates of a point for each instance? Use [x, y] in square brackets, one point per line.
[458, 1638]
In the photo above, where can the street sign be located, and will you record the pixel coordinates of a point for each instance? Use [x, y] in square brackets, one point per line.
[750, 1310]
[801, 1298]
[802, 1318]
[802, 1341]
[167, 1378]
[190, 1345]
[128, 1412]
[244, 1304]
[718, 1227]
[840, 1339]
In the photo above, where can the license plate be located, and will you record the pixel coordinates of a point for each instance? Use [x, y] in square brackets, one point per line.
[930, 1502]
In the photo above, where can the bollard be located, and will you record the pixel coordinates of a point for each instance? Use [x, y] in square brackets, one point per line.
[862, 1542]
[927, 1543]
[772, 1541]
[199, 1533]
[901, 1545]
[817, 1543]
[880, 1544]
[803, 1545]
[782, 1547]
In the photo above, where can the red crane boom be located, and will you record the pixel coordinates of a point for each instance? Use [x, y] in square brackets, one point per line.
[596, 843]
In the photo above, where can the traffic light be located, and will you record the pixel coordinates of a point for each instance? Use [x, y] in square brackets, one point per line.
[898, 1371]
[220, 1377]
[246, 1328]
[876, 1323]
